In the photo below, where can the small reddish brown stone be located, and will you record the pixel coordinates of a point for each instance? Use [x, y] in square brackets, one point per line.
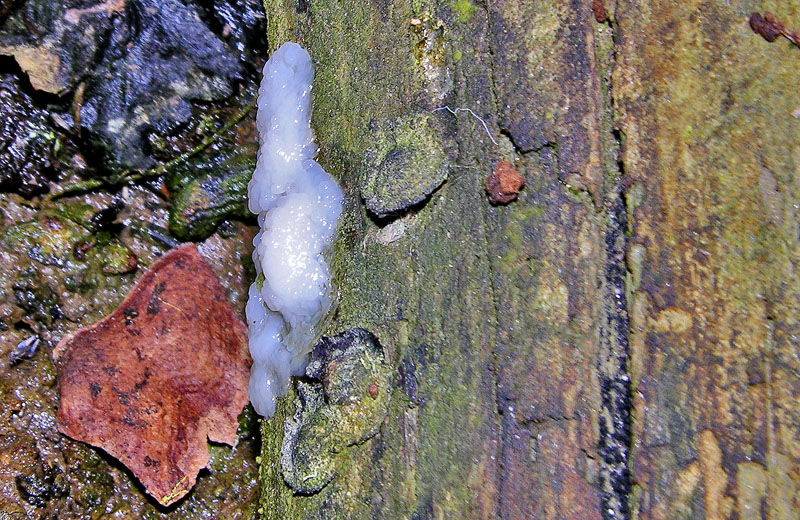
[504, 184]
[373, 390]
[158, 377]
[765, 26]
[599, 11]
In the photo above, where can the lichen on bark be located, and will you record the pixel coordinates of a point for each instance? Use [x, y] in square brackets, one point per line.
[663, 191]
[712, 158]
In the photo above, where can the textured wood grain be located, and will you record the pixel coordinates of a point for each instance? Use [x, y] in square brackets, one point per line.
[711, 152]
[508, 325]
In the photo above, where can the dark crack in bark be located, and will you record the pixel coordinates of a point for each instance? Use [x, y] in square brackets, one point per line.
[615, 419]
[615, 385]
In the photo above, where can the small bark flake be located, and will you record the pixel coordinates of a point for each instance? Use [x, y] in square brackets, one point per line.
[503, 185]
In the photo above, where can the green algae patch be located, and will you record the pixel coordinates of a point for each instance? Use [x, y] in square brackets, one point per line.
[47, 240]
[464, 9]
[117, 259]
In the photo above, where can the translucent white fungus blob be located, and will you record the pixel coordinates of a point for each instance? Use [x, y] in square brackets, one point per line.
[298, 204]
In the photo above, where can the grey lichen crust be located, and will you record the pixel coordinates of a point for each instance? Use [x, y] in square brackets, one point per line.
[404, 166]
[342, 403]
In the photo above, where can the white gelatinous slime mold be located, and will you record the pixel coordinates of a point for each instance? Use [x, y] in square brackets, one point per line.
[298, 205]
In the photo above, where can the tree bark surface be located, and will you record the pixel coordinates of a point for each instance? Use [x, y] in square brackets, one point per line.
[709, 114]
[621, 341]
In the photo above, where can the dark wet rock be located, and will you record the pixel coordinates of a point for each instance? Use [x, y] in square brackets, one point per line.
[6, 6]
[403, 167]
[160, 56]
[35, 299]
[55, 43]
[241, 24]
[51, 259]
[46, 240]
[343, 403]
[40, 487]
[105, 219]
[28, 143]
[208, 192]
[142, 61]
[19, 458]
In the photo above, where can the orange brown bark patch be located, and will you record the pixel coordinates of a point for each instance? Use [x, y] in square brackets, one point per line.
[163, 373]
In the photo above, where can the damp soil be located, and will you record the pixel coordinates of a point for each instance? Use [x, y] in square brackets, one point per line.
[149, 142]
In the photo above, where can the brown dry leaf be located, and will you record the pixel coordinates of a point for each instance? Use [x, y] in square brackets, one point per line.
[164, 372]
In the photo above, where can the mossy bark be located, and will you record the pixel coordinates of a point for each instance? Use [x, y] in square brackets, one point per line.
[711, 151]
[506, 327]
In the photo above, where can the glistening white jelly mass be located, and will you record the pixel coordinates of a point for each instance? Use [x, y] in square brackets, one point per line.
[298, 204]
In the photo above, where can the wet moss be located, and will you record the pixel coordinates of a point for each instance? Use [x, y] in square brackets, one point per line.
[464, 10]
[204, 201]
[90, 482]
[47, 240]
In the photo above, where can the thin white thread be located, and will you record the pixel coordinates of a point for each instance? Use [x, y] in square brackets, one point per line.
[476, 116]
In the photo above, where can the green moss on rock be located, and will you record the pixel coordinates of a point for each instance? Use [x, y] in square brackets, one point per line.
[343, 404]
[404, 165]
[216, 191]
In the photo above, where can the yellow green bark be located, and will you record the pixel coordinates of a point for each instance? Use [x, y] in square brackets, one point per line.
[711, 151]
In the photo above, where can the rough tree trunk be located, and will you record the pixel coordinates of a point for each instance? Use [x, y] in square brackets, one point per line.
[662, 170]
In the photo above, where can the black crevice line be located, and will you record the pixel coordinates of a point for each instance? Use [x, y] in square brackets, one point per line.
[615, 421]
[615, 384]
